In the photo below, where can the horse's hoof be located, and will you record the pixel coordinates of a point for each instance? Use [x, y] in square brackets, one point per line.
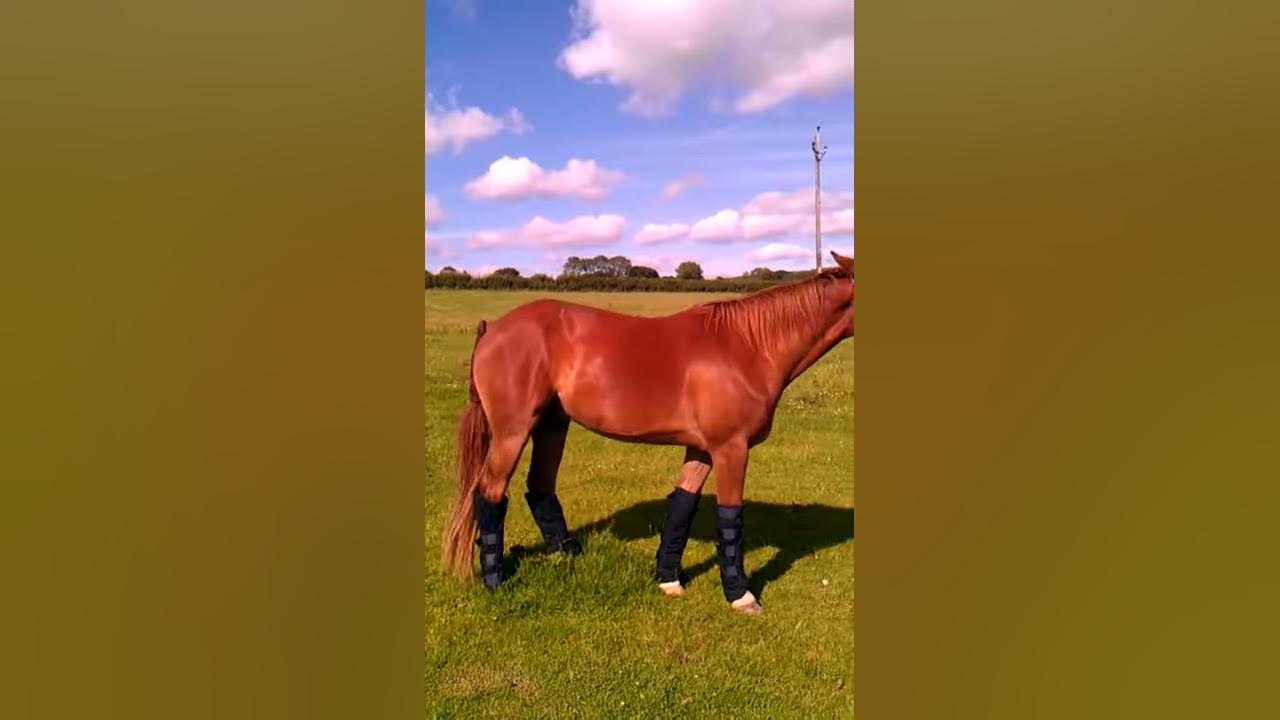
[747, 605]
[672, 589]
[570, 548]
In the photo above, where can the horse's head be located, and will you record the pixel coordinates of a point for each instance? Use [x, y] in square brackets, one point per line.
[838, 291]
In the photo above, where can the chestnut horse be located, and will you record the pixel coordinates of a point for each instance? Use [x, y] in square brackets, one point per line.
[708, 378]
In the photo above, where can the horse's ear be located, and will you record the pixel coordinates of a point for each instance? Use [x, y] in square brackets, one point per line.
[845, 263]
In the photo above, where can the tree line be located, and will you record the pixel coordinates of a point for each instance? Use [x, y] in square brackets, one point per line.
[619, 266]
[617, 273]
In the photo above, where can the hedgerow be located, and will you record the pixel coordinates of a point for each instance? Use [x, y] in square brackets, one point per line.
[600, 283]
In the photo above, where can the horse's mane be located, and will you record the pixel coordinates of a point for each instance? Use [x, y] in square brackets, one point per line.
[778, 312]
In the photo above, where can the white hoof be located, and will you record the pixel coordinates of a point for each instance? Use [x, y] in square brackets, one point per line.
[747, 605]
[672, 589]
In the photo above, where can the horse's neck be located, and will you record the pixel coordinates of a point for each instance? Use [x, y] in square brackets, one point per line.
[807, 349]
[795, 345]
[829, 338]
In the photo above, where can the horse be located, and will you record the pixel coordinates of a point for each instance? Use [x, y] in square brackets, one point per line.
[707, 378]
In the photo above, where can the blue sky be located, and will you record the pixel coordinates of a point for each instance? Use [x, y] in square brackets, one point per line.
[565, 128]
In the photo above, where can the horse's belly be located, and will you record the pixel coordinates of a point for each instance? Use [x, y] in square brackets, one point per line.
[622, 414]
[626, 405]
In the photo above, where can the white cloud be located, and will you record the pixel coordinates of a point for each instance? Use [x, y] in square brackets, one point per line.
[518, 178]
[777, 215]
[456, 128]
[437, 250]
[680, 185]
[721, 227]
[652, 234]
[767, 52]
[820, 70]
[838, 223]
[765, 226]
[796, 201]
[779, 251]
[434, 211]
[582, 231]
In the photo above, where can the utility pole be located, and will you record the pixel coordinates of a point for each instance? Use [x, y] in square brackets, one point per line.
[817, 197]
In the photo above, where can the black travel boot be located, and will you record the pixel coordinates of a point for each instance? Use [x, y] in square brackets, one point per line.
[682, 505]
[733, 578]
[490, 518]
[549, 516]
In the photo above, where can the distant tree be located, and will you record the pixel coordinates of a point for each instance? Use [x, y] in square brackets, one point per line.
[448, 270]
[689, 270]
[600, 266]
[618, 266]
[641, 271]
[507, 272]
[540, 277]
[764, 273]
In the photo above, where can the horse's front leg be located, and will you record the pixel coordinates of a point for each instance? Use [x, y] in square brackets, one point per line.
[682, 504]
[730, 463]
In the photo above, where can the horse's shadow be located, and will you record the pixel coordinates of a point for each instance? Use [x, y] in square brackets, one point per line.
[795, 531]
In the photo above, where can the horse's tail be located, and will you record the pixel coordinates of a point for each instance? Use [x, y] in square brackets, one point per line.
[473, 445]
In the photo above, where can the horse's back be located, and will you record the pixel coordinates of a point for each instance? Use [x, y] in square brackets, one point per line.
[584, 323]
[547, 309]
[615, 373]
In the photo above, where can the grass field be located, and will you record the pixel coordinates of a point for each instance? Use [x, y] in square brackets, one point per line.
[592, 637]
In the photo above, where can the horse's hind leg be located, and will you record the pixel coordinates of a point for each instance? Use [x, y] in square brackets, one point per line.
[490, 501]
[510, 379]
[682, 505]
[548, 448]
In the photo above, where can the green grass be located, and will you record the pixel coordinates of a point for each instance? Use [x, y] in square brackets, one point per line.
[592, 637]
